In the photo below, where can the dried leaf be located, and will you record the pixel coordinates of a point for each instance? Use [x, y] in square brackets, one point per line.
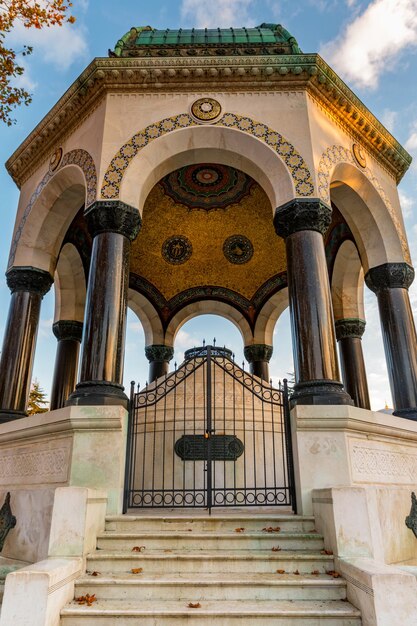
[136, 570]
[297, 573]
[280, 571]
[328, 552]
[138, 549]
[239, 530]
[276, 549]
[333, 574]
[194, 605]
[87, 599]
[95, 574]
[269, 529]
[315, 572]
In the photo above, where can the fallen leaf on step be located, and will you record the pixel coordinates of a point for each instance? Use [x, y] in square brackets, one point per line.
[297, 573]
[276, 549]
[269, 529]
[138, 549]
[87, 599]
[239, 530]
[136, 570]
[167, 550]
[328, 552]
[94, 573]
[280, 571]
[333, 574]
[315, 572]
[194, 605]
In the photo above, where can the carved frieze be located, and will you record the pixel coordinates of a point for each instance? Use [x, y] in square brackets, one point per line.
[159, 353]
[114, 217]
[389, 276]
[302, 214]
[349, 328]
[29, 279]
[258, 352]
[68, 330]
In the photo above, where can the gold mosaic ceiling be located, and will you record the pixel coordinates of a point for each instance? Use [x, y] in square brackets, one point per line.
[207, 224]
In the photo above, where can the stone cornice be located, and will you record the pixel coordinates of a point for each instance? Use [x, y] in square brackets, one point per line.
[307, 72]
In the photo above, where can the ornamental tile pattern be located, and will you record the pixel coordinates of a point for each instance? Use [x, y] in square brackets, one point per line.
[338, 154]
[78, 157]
[294, 162]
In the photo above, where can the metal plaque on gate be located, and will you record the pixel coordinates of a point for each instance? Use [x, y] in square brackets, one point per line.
[196, 447]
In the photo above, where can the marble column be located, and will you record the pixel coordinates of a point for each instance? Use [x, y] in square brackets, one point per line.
[159, 357]
[69, 334]
[28, 285]
[258, 356]
[302, 223]
[113, 225]
[390, 282]
[349, 333]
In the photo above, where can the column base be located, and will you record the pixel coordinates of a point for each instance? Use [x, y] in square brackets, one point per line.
[408, 414]
[98, 393]
[7, 415]
[320, 392]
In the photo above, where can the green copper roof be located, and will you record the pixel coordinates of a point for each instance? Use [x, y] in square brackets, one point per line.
[265, 39]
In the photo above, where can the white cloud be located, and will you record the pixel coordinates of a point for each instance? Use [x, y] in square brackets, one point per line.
[373, 41]
[407, 203]
[58, 45]
[389, 119]
[217, 13]
[411, 143]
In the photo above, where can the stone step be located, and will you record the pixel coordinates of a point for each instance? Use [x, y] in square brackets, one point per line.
[211, 613]
[213, 523]
[212, 561]
[193, 541]
[246, 586]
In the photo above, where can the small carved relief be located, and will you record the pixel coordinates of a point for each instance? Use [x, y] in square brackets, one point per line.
[7, 520]
[411, 520]
[177, 249]
[55, 160]
[382, 464]
[206, 109]
[35, 466]
[238, 249]
[359, 155]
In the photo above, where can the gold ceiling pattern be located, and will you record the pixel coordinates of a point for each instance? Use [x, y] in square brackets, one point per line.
[207, 231]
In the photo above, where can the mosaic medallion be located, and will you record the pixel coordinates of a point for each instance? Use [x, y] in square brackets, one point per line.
[177, 249]
[55, 160]
[206, 109]
[207, 186]
[238, 249]
[359, 155]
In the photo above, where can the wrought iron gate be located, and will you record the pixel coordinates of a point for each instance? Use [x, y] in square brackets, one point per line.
[209, 434]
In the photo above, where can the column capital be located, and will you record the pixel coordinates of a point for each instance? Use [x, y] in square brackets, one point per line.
[68, 330]
[349, 327]
[302, 214]
[159, 352]
[389, 276]
[113, 216]
[29, 279]
[258, 352]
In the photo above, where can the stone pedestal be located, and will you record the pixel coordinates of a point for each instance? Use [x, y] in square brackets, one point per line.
[390, 282]
[69, 334]
[159, 357]
[303, 222]
[349, 336]
[28, 285]
[258, 356]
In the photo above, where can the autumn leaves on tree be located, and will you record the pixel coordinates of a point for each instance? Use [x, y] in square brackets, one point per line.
[32, 14]
[37, 399]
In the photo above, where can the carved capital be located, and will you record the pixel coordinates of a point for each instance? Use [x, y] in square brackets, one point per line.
[29, 279]
[349, 327]
[258, 352]
[159, 353]
[68, 330]
[113, 216]
[302, 214]
[389, 276]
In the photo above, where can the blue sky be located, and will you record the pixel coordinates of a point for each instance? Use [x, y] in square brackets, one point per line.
[372, 45]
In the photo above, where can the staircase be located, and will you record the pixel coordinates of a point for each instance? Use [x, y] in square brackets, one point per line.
[220, 571]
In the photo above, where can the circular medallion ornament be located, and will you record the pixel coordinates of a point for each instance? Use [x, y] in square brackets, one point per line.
[206, 109]
[238, 249]
[177, 249]
[55, 160]
[359, 155]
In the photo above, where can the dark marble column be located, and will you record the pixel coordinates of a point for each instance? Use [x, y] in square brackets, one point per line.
[159, 357]
[349, 333]
[258, 356]
[390, 282]
[302, 223]
[28, 285]
[113, 225]
[69, 334]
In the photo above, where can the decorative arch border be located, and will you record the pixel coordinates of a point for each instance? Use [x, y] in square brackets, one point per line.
[85, 162]
[293, 160]
[339, 154]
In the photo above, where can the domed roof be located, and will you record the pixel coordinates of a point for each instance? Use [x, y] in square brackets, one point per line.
[264, 39]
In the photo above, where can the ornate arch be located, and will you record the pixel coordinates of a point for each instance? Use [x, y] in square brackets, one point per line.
[339, 154]
[301, 176]
[85, 162]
